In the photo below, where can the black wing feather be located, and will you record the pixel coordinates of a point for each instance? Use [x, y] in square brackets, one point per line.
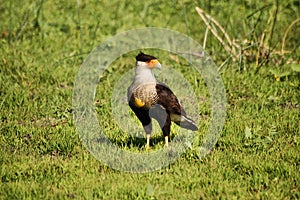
[168, 100]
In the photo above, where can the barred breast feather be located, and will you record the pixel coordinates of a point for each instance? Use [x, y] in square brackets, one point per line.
[147, 94]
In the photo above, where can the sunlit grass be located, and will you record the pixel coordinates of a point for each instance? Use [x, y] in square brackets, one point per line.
[42, 45]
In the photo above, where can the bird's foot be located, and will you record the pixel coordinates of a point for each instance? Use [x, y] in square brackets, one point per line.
[147, 146]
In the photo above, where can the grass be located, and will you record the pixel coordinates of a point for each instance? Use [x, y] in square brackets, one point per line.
[43, 44]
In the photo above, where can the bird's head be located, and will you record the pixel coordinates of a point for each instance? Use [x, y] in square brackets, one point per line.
[147, 61]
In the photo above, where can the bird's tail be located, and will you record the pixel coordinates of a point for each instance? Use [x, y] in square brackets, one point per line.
[184, 122]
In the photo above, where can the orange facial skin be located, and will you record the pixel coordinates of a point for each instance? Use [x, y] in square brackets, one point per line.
[152, 63]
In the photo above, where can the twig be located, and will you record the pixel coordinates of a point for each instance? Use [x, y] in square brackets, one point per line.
[271, 24]
[187, 27]
[205, 38]
[223, 64]
[259, 10]
[231, 43]
[286, 33]
[200, 12]
[79, 25]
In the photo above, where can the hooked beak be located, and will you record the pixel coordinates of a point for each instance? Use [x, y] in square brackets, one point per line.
[158, 65]
[154, 64]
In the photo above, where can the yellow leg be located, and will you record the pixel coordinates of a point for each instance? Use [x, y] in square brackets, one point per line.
[148, 141]
[166, 141]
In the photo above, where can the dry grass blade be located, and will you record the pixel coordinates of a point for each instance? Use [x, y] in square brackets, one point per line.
[285, 35]
[206, 18]
[201, 13]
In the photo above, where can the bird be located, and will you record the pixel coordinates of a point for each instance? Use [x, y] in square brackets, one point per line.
[150, 99]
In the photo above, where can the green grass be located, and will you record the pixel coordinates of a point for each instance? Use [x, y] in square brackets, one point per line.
[42, 45]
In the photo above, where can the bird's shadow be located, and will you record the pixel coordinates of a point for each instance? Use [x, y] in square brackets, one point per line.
[137, 142]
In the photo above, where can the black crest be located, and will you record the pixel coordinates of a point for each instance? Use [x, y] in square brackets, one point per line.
[144, 57]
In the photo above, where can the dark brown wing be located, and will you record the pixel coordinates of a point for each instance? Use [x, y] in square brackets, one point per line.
[168, 100]
[167, 108]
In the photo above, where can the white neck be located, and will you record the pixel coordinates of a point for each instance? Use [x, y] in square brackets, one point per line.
[143, 75]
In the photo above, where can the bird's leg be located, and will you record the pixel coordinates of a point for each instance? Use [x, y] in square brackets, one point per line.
[164, 120]
[166, 141]
[148, 141]
[166, 130]
[148, 130]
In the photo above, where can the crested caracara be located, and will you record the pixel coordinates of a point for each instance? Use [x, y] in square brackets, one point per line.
[149, 99]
